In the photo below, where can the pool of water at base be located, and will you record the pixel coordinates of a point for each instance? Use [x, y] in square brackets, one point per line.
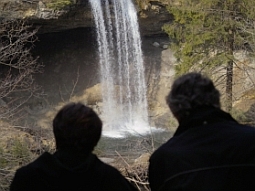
[133, 145]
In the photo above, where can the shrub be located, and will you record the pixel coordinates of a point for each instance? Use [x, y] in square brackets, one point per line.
[14, 154]
[59, 4]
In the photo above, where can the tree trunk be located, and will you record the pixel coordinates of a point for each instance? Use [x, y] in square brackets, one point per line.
[229, 72]
[229, 84]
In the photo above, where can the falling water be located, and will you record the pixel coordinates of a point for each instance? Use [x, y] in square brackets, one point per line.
[124, 108]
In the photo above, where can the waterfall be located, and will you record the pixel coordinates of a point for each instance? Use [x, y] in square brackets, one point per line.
[124, 109]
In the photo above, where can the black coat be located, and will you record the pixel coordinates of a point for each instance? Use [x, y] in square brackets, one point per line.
[60, 172]
[209, 151]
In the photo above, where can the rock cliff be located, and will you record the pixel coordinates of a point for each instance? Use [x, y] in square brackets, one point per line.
[58, 15]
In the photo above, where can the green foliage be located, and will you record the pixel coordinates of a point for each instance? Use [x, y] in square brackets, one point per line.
[206, 32]
[173, 123]
[239, 115]
[13, 155]
[59, 4]
[3, 161]
[141, 2]
[20, 150]
[17, 153]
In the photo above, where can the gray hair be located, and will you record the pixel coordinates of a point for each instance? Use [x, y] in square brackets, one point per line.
[191, 91]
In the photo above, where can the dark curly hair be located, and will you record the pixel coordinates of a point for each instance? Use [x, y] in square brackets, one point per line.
[78, 127]
[191, 91]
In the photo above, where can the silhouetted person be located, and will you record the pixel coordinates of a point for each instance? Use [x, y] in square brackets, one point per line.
[209, 150]
[73, 167]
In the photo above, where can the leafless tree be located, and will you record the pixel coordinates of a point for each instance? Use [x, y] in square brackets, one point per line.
[17, 65]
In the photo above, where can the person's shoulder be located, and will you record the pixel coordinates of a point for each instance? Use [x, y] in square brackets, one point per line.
[111, 178]
[26, 177]
[36, 163]
[247, 127]
[105, 166]
[165, 150]
[245, 130]
[248, 133]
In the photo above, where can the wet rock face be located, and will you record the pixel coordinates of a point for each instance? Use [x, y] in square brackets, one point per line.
[152, 16]
[52, 17]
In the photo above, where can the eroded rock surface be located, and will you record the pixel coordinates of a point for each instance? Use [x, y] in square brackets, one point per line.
[58, 15]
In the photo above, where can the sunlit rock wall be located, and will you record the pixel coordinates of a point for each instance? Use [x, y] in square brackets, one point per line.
[58, 15]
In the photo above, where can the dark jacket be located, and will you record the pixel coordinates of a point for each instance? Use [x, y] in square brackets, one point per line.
[209, 151]
[65, 171]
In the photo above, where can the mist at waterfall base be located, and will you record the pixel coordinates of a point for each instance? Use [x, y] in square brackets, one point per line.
[124, 110]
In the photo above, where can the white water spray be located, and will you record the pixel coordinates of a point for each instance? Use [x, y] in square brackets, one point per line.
[122, 72]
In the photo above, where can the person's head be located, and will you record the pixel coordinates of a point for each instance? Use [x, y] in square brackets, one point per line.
[77, 127]
[191, 91]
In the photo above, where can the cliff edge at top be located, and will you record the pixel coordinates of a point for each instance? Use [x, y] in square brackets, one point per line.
[58, 15]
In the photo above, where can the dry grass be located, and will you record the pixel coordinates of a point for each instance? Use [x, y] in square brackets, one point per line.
[137, 172]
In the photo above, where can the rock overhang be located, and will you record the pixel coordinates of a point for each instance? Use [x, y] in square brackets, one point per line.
[152, 15]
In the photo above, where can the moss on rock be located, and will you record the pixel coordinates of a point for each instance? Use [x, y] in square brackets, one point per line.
[58, 4]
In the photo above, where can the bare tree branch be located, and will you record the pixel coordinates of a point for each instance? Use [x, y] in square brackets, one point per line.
[17, 64]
